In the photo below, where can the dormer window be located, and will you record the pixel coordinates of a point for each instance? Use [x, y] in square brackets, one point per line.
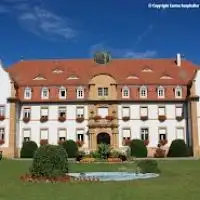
[27, 93]
[143, 92]
[62, 93]
[161, 92]
[125, 92]
[45, 93]
[178, 92]
[80, 93]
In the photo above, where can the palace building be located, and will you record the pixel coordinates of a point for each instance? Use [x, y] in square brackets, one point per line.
[100, 100]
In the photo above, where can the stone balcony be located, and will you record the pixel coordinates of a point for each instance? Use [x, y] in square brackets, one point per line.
[102, 123]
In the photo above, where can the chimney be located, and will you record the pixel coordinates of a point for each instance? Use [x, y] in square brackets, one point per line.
[178, 59]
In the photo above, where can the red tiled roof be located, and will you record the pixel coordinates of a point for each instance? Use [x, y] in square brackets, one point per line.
[25, 71]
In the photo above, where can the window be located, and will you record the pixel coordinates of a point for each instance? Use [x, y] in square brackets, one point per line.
[62, 111]
[80, 93]
[2, 133]
[161, 111]
[178, 92]
[179, 111]
[44, 112]
[102, 91]
[161, 92]
[2, 110]
[27, 93]
[44, 134]
[45, 93]
[125, 92]
[143, 92]
[143, 111]
[162, 133]
[125, 112]
[62, 134]
[180, 133]
[62, 93]
[103, 112]
[126, 134]
[27, 113]
[144, 134]
[26, 135]
[80, 112]
[80, 135]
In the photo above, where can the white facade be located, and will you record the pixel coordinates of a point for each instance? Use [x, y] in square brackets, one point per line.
[5, 92]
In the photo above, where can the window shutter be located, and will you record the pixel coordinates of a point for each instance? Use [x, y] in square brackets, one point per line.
[179, 111]
[143, 111]
[126, 133]
[180, 133]
[44, 134]
[44, 112]
[126, 112]
[161, 111]
[62, 133]
[27, 133]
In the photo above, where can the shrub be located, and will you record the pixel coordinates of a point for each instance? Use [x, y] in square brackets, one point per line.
[1, 155]
[178, 148]
[71, 148]
[104, 150]
[123, 157]
[148, 166]
[160, 153]
[49, 161]
[95, 154]
[138, 148]
[80, 155]
[28, 149]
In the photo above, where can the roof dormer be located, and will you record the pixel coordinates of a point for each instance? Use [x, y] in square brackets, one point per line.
[72, 77]
[39, 78]
[146, 69]
[132, 77]
[57, 71]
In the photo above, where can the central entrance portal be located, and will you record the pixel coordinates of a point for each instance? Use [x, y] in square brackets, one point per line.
[103, 138]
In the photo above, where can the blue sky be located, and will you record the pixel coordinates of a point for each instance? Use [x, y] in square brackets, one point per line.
[75, 29]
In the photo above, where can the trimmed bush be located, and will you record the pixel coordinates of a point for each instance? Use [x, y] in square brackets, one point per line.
[28, 149]
[49, 161]
[178, 148]
[71, 148]
[138, 148]
[104, 150]
[148, 166]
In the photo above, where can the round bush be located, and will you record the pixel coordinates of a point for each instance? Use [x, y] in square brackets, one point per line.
[148, 166]
[178, 148]
[28, 149]
[71, 148]
[138, 148]
[49, 161]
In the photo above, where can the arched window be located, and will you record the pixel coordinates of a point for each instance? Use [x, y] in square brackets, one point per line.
[143, 92]
[178, 92]
[80, 93]
[62, 93]
[27, 93]
[125, 92]
[161, 92]
[45, 93]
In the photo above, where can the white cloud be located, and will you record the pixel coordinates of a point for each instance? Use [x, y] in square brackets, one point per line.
[122, 53]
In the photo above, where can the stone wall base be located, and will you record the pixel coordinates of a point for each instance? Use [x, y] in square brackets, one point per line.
[9, 152]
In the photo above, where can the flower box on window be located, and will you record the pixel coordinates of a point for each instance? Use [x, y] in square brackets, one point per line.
[79, 119]
[144, 118]
[110, 118]
[126, 142]
[26, 119]
[43, 141]
[97, 117]
[163, 142]
[79, 143]
[179, 118]
[126, 118]
[61, 118]
[43, 119]
[146, 142]
[2, 118]
[2, 142]
[162, 118]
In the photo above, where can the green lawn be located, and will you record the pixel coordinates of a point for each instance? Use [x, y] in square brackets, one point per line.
[180, 180]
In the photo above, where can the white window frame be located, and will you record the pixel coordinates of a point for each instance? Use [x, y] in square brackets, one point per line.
[44, 108]
[43, 95]
[159, 110]
[143, 92]
[62, 109]
[62, 138]
[2, 110]
[80, 93]
[182, 128]
[179, 107]
[159, 134]
[27, 112]
[102, 91]
[144, 133]
[125, 92]
[161, 92]
[82, 137]
[26, 138]
[62, 89]
[178, 89]
[27, 93]
[125, 129]
[80, 115]
[2, 133]
[129, 111]
[44, 129]
[143, 107]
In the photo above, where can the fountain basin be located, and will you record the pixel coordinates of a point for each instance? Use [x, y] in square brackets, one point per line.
[113, 176]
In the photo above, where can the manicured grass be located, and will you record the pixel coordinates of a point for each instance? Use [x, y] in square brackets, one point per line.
[180, 180]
